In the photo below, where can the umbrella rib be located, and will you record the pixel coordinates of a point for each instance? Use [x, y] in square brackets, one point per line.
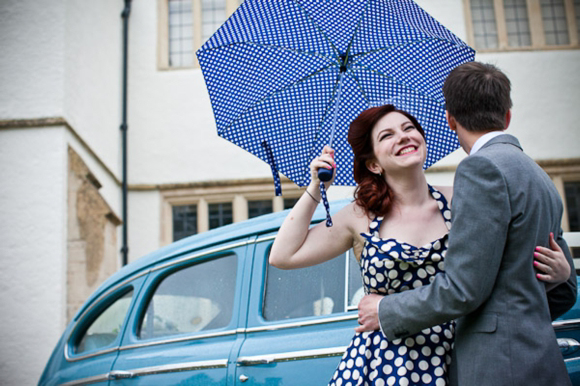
[357, 28]
[273, 46]
[361, 54]
[317, 26]
[361, 67]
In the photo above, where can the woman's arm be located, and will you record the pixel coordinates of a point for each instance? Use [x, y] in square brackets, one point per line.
[297, 245]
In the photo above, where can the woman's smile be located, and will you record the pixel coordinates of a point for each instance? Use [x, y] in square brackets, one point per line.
[407, 150]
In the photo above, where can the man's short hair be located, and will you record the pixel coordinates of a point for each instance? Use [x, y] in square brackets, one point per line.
[477, 95]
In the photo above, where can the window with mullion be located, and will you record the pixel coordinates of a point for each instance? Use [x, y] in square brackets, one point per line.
[484, 24]
[572, 191]
[180, 33]
[258, 208]
[220, 214]
[555, 23]
[213, 16]
[184, 221]
[517, 23]
[577, 9]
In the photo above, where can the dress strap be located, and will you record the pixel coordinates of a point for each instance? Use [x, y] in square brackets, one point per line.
[443, 205]
[375, 225]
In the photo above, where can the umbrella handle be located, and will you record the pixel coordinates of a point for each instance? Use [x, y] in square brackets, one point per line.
[325, 175]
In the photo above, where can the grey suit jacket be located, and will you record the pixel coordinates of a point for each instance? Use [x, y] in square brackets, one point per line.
[503, 205]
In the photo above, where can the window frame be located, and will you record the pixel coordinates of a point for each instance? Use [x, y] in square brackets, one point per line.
[163, 31]
[264, 246]
[536, 25]
[157, 280]
[238, 193]
[94, 310]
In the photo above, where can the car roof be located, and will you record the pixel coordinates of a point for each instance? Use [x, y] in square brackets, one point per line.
[222, 235]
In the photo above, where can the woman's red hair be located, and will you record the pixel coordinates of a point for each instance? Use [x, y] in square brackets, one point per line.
[372, 193]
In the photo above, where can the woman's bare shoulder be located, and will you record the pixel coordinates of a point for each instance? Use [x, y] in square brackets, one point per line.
[355, 215]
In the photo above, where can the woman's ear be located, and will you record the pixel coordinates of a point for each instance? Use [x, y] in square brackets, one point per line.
[374, 167]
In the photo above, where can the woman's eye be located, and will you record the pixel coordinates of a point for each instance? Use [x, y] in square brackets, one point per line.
[384, 136]
[409, 128]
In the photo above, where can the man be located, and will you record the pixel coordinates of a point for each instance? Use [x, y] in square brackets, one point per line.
[504, 205]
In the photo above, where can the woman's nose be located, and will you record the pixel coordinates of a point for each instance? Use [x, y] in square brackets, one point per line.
[404, 137]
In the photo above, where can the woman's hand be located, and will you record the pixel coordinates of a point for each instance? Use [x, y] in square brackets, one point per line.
[551, 263]
[324, 161]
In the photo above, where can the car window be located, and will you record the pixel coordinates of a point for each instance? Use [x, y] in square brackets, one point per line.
[196, 298]
[332, 287]
[105, 328]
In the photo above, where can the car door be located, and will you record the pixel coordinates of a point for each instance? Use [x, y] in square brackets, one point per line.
[299, 321]
[92, 345]
[567, 329]
[184, 327]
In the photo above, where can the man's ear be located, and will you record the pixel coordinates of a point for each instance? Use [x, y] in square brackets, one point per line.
[508, 118]
[373, 167]
[451, 121]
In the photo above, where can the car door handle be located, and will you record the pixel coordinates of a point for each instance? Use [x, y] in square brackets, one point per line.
[120, 374]
[249, 361]
[568, 345]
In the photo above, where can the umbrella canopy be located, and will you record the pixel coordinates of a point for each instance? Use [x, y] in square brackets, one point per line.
[286, 77]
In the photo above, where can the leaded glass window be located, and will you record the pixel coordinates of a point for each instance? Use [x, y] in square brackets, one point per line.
[258, 208]
[220, 214]
[555, 23]
[184, 221]
[572, 190]
[213, 16]
[180, 33]
[517, 23]
[484, 24]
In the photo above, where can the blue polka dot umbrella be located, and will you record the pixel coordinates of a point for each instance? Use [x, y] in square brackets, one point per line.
[286, 77]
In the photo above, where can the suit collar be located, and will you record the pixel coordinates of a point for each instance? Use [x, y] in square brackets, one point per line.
[504, 138]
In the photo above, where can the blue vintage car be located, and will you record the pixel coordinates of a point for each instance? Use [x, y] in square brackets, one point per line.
[209, 310]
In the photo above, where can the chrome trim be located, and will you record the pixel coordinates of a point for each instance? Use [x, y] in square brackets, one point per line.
[572, 360]
[565, 323]
[181, 339]
[81, 357]
[302, 323]
[265, 238]
[202, 254]
[87, 381]
[291, 356]
[176, 367]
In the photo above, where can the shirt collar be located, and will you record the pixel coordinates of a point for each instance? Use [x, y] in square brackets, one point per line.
[484, 139]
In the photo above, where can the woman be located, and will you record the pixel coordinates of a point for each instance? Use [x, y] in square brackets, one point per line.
[398, 227]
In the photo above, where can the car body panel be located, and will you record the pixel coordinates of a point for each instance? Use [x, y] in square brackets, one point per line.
[252, 349]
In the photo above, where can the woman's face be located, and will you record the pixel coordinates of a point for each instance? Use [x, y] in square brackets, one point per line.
[397, 144]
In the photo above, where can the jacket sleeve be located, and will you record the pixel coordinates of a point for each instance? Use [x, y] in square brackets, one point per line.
[563, 297]
[481, 216]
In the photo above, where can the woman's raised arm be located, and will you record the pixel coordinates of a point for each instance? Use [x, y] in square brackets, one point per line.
[297, 245]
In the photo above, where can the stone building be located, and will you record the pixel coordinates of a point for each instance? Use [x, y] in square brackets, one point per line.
[60, 142]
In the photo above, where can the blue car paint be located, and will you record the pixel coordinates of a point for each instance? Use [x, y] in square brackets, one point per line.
[249, 335]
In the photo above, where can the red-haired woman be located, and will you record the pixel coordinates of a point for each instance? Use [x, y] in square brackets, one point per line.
[397, 226]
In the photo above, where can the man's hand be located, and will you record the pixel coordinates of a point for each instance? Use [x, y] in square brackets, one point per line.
[368, 316]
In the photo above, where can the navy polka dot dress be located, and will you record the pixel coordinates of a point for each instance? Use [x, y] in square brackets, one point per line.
[389, 266]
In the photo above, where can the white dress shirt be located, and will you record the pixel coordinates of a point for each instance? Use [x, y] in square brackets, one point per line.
[484, 139]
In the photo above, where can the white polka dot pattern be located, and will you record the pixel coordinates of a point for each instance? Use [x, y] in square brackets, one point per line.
[390, 266]
[272, 69]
